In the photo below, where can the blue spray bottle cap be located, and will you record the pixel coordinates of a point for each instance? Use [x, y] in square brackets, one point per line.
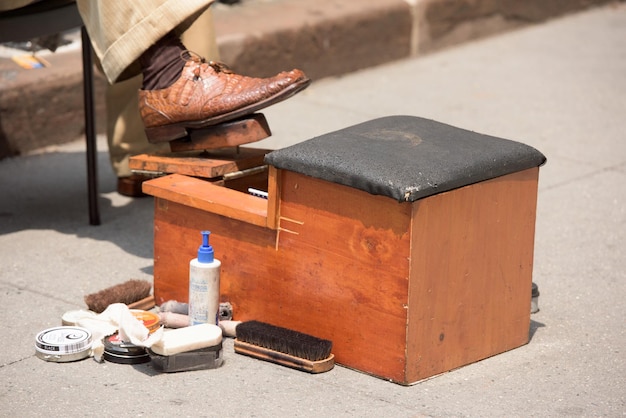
[205, 251]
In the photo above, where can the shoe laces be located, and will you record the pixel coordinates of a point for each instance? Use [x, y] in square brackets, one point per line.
[190, 56]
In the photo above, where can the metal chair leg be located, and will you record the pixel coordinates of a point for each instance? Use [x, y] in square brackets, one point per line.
[90, 130]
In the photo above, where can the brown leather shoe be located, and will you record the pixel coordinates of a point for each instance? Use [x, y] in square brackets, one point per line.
[208, 93]
[131, 186]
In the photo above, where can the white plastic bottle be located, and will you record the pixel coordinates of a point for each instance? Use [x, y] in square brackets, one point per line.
[204, 285]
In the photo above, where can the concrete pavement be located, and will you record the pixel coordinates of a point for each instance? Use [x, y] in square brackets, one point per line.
[558, 86]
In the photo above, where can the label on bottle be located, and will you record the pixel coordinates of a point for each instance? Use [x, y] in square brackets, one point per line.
[204, 293]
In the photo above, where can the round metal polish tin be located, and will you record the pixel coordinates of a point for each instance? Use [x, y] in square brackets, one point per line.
[71, 318]
[118, 351]
[63, 344]
[149, 319]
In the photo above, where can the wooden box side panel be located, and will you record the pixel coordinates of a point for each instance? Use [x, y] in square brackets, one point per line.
[471, 273]
[344, 256]
[241, 247]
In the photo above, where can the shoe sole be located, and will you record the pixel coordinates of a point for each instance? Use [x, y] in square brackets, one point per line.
[167, 133]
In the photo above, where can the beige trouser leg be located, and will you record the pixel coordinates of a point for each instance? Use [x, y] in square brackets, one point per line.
[121, 30]
[125, 134]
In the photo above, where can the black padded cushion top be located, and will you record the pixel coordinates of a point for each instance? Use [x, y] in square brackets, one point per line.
[405, 157]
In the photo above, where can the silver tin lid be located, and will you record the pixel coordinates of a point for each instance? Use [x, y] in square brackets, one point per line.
[63, 344]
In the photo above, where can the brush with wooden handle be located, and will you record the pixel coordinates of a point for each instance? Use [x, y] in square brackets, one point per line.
[284, 346]
[129, 292]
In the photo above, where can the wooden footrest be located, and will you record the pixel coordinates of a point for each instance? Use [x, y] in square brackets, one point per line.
[251, 128]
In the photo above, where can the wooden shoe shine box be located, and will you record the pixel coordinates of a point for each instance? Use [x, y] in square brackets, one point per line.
[407, 242]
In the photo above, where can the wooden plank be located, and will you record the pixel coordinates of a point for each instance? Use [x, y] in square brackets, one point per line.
[203, 195]
[251, 128]
[471, 273]
[199, 164]
[273, 197]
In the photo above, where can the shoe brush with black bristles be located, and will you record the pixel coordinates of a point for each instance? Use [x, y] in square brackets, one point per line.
[284, 346]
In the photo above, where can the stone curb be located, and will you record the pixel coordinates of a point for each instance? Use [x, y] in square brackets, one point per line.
[260, 38]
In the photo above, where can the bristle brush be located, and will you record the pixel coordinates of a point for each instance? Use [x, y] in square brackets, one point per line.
[284, 346]
[128, 292]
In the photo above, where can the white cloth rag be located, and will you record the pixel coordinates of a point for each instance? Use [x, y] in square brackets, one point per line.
[117, 317]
